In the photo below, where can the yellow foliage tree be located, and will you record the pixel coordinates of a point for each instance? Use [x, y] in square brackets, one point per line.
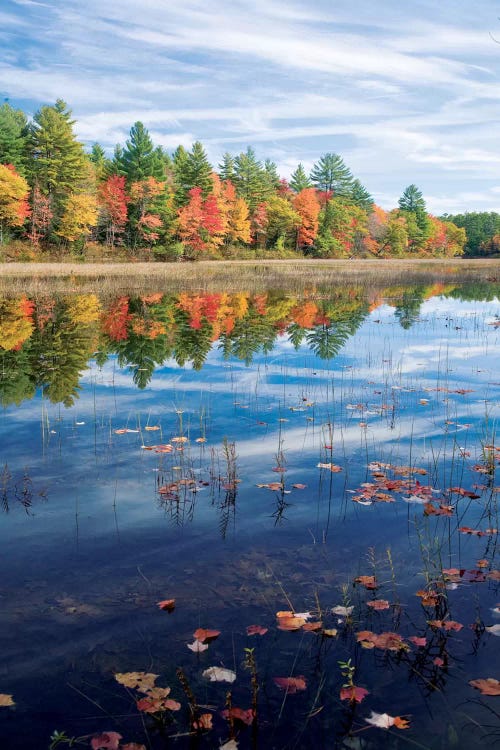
[13, 193]
[15, 326]
[79, 217]
[83, 309]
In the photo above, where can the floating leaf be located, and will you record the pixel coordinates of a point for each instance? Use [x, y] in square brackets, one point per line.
[312, 627]
[291, 684]
[353, 694]
[493, 629]
[152, 427]
[219, 674]
[332, 467]
[142, 681]
[256, 630]
[384, 641]
[369, 582]
[487, 686]
[197, 646]
[204, 721]
[167, 604]
[105, 741]
[203, 635]
[231, 745]
[299, 486]
[157, 700]
[384, 721]
[6, 700]
[342, 611]
[330, 633]
[290, 623]
[418, 640]
[241, 714]
[378, 604]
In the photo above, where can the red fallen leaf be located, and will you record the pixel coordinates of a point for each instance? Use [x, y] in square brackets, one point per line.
[291, 684]
[442, 510]
[105, 741]
[369, 582]
[378, 604]
[494, 575]
[417, 640]
[487, 685]
[464, 493]
[438, 662]
[353, 694]
[279, 469]
[429, 598]
[204, 721]
[245, 715]
[256, 630]
[445, 624]
[132, 746]
[299, 486]
[167, 604]
[157, 701]
[203, 635]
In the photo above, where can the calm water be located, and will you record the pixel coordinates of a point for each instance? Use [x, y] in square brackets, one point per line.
[135, 433]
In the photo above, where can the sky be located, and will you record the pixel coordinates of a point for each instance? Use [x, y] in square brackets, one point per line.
[404, 92]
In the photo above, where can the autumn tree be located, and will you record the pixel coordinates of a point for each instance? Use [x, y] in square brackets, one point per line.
[113, 201]
[146, 197]
[283, 222]
[40, 218]
[14, 190]
[307, 206]
[78, 218]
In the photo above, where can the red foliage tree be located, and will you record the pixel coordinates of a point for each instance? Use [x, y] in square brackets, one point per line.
[113, 202]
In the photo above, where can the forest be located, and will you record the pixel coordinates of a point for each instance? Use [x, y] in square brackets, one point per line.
[57, 200]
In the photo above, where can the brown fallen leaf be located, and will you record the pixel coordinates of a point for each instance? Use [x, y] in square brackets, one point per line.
[142, 681]
[353, 694]
[6, 700]
[203, 635]
[486, 685]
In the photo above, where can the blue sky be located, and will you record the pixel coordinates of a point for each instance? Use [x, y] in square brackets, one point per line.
[404, 92]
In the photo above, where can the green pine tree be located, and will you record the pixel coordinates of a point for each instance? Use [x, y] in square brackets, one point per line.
[58, 162]
[139, 159]
[198, 169]
[250, 179]
[299, 180]
[361, 197]
[226, 167]
[13, 137]
[330, 174]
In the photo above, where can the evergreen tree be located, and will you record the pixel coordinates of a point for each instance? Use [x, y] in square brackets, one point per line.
[102, 165]
[58, 162]
[226, 167]
[139, 159]
[250, 179]
[412, 202]
[271, 175]
[361, 197]
[299, 180]
[198, 169]
[330, 174]
[116, 164]
[13, 132]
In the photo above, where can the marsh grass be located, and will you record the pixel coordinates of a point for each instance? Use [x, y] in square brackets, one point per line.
[113, 278]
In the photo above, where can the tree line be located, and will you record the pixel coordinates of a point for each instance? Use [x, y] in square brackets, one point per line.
[55, 196]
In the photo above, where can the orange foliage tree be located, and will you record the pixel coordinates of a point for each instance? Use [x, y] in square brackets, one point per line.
[14, 208]
[307, 206]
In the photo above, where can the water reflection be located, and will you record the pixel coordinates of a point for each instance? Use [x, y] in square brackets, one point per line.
[47, 342]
